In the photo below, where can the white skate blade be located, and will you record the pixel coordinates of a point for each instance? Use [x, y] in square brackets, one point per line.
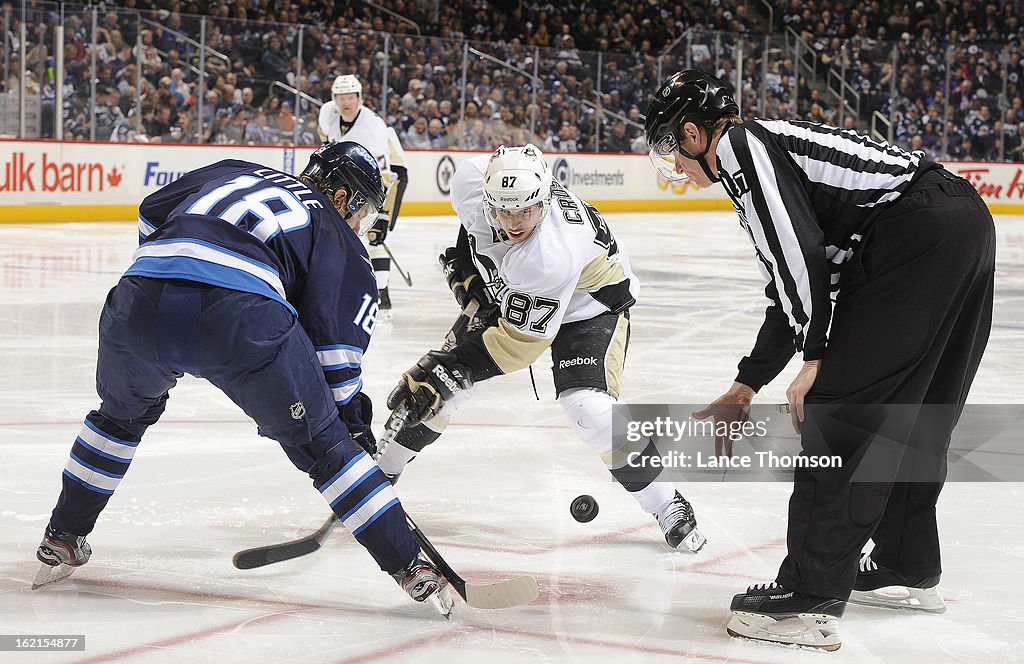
[693, 542]
[901, 597]
[48, 574]
[443, 602]
[806, 630]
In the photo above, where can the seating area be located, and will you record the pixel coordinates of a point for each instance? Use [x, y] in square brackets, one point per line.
[471, 74]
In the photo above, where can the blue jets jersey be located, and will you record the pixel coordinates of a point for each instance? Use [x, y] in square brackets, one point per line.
[245, 227]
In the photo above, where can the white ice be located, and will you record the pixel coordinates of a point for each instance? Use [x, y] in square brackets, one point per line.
[493, 493]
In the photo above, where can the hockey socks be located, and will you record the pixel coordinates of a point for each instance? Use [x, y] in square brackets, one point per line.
[366, 503]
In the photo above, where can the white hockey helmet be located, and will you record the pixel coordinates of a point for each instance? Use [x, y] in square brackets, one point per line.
[347, 84]
[515, 178]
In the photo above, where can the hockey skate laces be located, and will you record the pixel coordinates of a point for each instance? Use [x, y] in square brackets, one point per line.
[772, 585]
[677, 508]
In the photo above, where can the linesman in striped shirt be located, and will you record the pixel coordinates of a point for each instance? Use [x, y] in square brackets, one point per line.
[879, 266]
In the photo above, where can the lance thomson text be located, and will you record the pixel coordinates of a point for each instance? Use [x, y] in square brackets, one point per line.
[766, 459]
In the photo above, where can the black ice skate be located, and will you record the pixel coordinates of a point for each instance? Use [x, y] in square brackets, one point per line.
[385, 299]
[680, 525]
[60, 553]
[422, 581]
[880, 586]
[769, 612]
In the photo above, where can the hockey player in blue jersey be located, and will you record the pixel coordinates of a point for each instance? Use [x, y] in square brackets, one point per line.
[256, 281]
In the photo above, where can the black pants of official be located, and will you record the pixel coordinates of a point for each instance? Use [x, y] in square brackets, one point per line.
[908, 332]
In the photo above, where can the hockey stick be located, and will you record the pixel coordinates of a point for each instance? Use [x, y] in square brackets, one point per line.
[394, 261]
[275, 553]
[501, 595]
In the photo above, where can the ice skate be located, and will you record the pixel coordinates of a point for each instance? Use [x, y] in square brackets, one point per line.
[424, 582]
[60, 553]
[385, 299]
[769, 612]
[882, 587]
[680, 525]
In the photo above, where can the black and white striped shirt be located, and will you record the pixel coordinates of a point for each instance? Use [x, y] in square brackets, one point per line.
[805, 193]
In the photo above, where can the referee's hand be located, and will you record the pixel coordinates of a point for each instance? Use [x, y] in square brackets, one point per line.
[799, 388]
[733, 406]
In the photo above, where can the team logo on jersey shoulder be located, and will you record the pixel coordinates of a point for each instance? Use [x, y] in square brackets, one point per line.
[298, 410]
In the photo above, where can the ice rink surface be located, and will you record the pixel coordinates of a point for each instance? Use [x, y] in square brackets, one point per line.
[493, 493]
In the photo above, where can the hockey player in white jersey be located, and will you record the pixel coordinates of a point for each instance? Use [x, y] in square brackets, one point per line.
[558, 278]
[345, 118]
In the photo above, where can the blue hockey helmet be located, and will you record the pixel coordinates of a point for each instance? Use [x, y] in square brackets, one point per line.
[348, 165]
[686, 96]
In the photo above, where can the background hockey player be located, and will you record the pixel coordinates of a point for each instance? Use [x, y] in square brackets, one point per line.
[346, 118]
[257, 282]
[560, 279]
[906, 250]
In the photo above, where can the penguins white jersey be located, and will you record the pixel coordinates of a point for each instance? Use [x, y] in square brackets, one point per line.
[570, 268]
[369, 130]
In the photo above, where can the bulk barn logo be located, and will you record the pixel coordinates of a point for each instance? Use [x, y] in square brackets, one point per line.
[46, 175]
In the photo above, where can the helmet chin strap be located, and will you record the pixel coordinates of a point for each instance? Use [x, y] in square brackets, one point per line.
[703, 161]
[702, 158]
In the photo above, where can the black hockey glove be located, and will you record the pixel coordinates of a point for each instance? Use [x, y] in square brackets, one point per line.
[357, 415]
[364, 438]
[375, 236]
[463, 277]
[425, 388]
[486, 316]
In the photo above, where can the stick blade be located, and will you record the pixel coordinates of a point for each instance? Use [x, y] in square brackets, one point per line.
[275, 553]
[502, 595]
[264, 555]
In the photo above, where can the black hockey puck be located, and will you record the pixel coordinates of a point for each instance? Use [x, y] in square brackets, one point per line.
[583, 508]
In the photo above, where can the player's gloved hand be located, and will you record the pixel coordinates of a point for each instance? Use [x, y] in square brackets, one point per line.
[375, 236]
[431, 382]
[357, 415]
[463, 277]
[486, 316]
[364, 438]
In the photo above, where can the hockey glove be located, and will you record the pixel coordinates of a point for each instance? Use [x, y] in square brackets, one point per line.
[486, 316]
[357, 415]
[425, 388]
[375, 236]
[463, 277]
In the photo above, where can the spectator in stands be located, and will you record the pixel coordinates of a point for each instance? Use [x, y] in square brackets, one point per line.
[286, 120]
[436, 134]
[257, 131]
[616, 140]
[107, 112]
[1015, 144]
[215, 133]
[416, 137]
[274, 63]
[234, 131]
